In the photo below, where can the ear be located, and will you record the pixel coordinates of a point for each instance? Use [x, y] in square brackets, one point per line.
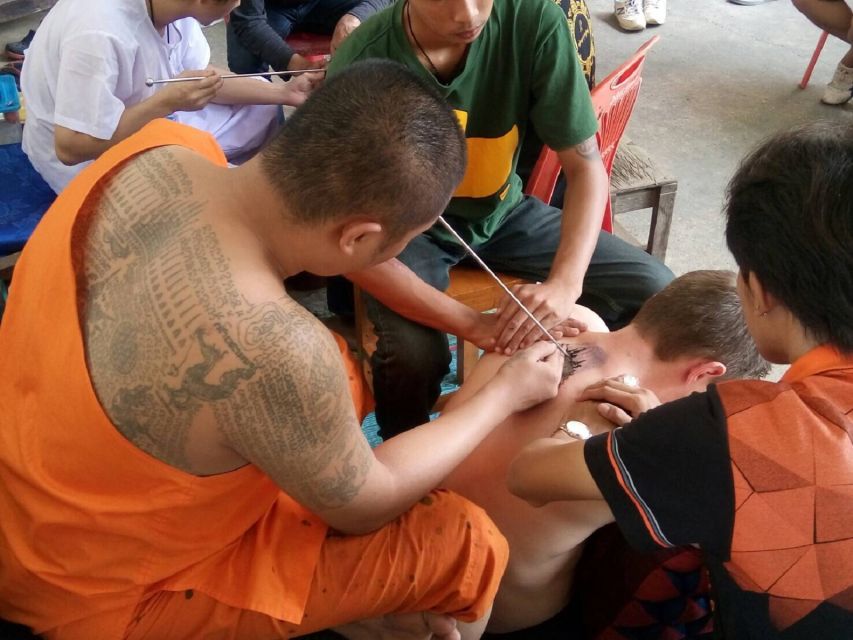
[763, 300]
[356, 235]
[704, 372]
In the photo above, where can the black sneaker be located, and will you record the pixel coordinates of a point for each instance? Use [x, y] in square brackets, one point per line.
[16, 50]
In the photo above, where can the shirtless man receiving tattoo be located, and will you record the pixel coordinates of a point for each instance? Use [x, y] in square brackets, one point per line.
[179, 453]
[684, 337]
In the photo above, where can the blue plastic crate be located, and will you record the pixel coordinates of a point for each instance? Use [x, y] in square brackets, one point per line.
[9, 100]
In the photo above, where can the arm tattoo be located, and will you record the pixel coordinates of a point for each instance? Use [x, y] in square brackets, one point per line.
[170, 340]
[296, 416]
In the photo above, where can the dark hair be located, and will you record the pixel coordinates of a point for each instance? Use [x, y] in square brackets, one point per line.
[699, 315]
[790, 222]
[374, 140]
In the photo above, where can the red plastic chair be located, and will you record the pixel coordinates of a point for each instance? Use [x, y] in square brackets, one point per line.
[613, 100]
[808, 74]
[311, 46]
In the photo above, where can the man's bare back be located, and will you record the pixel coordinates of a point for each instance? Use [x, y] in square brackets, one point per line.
[682, 339]
[545, 543]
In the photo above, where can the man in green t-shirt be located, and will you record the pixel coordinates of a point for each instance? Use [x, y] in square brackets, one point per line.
[505, 66]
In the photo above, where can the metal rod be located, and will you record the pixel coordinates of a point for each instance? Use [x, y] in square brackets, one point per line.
[506, 289]
[150, 82]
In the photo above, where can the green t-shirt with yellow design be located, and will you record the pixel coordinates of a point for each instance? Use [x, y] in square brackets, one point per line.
[522, 69]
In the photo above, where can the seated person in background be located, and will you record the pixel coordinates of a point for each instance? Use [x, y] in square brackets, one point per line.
[684, 337]
[84, 82]
[179, 454]
[580, 26]
[836, 17]
[257, 28]
[758, 474]
[503, 66]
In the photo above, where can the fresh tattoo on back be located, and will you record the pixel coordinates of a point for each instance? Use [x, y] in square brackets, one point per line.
[170, 340]
[578, 356]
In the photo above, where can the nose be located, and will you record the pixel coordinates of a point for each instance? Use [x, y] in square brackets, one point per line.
[466, 12]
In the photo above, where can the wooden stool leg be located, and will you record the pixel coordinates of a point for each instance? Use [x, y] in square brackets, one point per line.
[364, 335]
[662, 221]
[466, 359]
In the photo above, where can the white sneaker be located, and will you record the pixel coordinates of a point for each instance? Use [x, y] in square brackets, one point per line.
[629, 14]
[840, 89]
[655, 11]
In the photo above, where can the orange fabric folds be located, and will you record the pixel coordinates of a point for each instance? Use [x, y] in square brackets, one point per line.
[90, 523]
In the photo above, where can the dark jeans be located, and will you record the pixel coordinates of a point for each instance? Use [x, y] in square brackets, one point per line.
[411, 359]
[319, 16]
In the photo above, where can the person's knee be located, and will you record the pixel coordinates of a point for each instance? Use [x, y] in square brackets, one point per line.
[639, 280]
[415, 352]
[240, 59]
[802, 6]
[472, 521]
[650, 277]
[475, 548]
[617, 291]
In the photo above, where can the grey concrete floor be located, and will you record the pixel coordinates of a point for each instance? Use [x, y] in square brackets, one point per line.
[722, 77]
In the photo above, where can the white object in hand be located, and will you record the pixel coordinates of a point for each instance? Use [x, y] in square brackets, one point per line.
[630, 380]
[576, 429]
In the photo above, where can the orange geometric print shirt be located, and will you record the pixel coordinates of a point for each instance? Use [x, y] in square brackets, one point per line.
[760, 476]
[792, 464]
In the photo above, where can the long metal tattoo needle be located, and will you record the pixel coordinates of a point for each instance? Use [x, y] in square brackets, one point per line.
[150, 82]
[566, 352]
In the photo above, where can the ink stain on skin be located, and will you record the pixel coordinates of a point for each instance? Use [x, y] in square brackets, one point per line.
[573, 361]
[580, 355]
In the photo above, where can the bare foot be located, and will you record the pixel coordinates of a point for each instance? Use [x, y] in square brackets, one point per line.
[404, 626]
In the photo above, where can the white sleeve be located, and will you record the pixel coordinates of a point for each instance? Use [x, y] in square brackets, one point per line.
[196, 54]
[85, 101]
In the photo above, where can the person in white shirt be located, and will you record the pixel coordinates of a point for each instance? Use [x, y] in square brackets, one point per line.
[84, 81]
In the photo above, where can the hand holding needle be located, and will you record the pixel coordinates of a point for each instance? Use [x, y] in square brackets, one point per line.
[150, 82]
[568, 353]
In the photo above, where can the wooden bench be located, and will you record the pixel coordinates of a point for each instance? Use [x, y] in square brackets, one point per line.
[636, 182]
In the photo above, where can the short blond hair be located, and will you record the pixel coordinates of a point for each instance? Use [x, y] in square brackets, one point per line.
[699, 314]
